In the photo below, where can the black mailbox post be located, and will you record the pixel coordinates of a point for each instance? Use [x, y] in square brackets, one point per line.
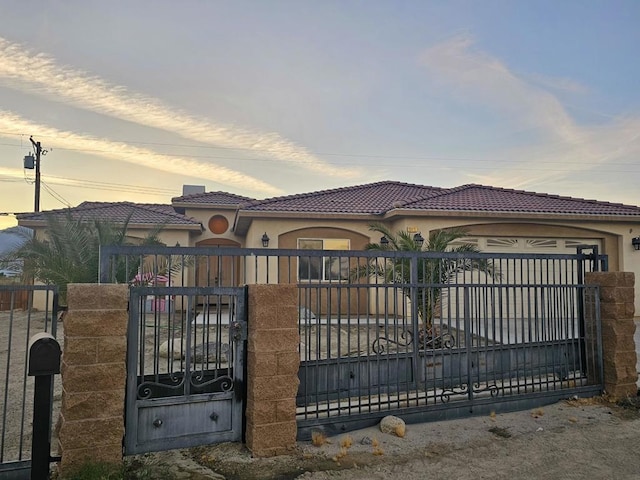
[44, 363]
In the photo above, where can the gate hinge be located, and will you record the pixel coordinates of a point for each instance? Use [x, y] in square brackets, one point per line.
[238, 331]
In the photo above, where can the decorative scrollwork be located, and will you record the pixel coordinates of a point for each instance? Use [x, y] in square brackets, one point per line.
[445, 396]
[436, 340]
[223, 383]
[380, 344]
[146, 389]
[492, 388]
[427, 339]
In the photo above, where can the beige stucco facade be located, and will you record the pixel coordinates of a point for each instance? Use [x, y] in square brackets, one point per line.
[496, 232]
[613, 238]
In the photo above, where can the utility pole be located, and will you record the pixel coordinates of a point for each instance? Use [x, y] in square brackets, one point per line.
[39, 152]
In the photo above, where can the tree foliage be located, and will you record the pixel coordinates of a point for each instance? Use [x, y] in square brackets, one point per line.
[432, 272]
[69, 250]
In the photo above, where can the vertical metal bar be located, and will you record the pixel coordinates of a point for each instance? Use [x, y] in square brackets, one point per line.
[468, 341]
[6, 376]
[191, 307]
[134, 379]
[580, 304]
[415, 321]
[24, 379]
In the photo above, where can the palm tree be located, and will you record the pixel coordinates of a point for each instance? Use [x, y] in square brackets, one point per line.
[69, 252]
[432, 272]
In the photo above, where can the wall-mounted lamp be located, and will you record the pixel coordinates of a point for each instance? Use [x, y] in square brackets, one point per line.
[636, 243]
[384, 242]
[418, 240]
[265, 240]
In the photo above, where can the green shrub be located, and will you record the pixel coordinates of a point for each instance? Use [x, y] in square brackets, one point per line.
[95, 471]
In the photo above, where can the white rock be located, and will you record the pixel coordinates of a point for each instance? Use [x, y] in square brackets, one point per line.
[393, 425]
[172, 346]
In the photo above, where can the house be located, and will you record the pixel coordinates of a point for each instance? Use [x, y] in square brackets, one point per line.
[498, 220]
[142, 218]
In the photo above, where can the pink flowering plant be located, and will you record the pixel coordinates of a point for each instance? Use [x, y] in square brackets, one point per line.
[149, 279]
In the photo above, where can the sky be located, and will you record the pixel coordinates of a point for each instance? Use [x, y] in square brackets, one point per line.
[134, 99]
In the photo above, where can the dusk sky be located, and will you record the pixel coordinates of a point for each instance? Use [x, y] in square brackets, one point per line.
[133, 99]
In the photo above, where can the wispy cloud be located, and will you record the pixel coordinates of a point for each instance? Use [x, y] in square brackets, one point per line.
[560, 84]
[11, 173]
[17, 67]
[481, 79]
[139, 156]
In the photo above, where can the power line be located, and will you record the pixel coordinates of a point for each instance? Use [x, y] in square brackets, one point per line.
[101, 186]
[129, 187]
[486, 161]
[332, 154]
[56, 195]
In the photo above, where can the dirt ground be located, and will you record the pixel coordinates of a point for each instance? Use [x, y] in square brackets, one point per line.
[574, 439]
[580, 438]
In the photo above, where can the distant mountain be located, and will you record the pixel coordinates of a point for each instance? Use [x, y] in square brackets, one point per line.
[13, 238]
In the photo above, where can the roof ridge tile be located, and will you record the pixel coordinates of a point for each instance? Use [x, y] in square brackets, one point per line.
[333, 190]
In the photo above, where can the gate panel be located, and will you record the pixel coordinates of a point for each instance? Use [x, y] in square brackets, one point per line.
[185, 383]
[355, 371]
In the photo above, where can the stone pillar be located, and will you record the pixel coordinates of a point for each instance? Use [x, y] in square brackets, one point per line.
[618, 328]
[93, 375]
[272, 369]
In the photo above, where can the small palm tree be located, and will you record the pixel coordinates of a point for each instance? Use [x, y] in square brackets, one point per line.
[70, 251]
[432, 272]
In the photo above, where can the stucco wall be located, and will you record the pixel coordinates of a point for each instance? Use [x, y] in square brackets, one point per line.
[615, 237]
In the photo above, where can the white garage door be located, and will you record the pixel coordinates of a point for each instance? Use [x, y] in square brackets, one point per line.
[530, 245]
[522, 293]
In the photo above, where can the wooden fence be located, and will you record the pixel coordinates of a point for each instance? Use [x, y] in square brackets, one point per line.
[20, 299]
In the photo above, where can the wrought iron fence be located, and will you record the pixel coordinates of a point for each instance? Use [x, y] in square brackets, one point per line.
[391, 330]
[18, 323]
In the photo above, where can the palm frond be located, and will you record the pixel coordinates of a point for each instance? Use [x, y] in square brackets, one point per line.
[69, 251]
[433, 273]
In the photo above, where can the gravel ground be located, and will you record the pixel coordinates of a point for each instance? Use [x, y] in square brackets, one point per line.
[575, 439]
[585, 438]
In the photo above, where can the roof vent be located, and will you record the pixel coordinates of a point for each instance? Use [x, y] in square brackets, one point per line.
[192, 189]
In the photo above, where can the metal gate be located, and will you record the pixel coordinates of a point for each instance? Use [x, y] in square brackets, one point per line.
[19, 321]
[185, 364]
[479, 343]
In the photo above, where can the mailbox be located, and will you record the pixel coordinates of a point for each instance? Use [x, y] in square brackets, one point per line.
[44, 355]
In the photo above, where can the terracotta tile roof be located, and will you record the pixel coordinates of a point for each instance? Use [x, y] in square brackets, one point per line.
[373, 198]
[492, 199]
[212, 198]
[118, 212]
[381, 197]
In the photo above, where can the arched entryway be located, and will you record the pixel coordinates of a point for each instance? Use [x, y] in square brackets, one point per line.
[218, 270]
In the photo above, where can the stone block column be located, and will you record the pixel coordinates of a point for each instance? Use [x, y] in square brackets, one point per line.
[272, 369]
[93, 375]
[618, 328]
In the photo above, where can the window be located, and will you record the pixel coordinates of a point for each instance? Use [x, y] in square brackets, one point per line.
[325, 267]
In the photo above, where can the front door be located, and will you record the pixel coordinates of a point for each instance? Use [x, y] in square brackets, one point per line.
[217, 270]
